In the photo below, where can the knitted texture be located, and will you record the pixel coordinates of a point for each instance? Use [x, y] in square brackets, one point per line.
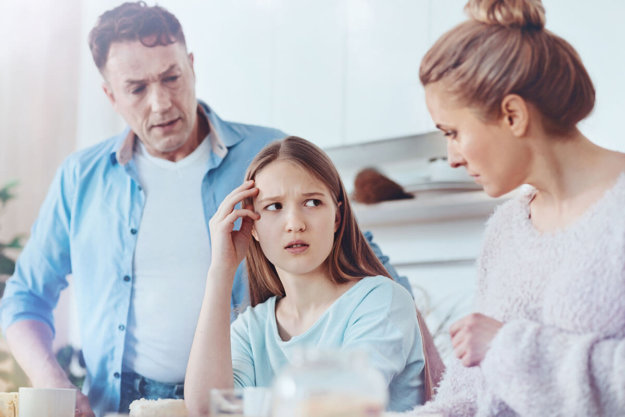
[561, 297]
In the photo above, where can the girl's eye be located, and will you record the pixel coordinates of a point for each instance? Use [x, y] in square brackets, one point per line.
[274, 207]
[312, 203]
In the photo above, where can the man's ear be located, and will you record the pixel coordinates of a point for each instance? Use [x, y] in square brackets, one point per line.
[516, 114]
[337, 217]
[191, 61]
[106, 87]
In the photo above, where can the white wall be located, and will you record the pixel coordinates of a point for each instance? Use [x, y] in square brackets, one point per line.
[346, 71]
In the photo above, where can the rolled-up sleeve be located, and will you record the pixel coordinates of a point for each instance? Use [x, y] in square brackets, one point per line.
[32, 292]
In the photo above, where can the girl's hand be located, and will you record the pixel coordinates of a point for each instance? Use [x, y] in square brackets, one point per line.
[228, 247]
[471, 337]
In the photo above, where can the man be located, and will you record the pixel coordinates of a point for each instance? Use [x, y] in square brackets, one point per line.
[128, 218]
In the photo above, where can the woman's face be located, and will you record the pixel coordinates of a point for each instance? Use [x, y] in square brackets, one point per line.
[298, 219]
[491, 154]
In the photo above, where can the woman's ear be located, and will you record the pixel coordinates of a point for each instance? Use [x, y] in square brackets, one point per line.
[516, 114]
[254, 233]
[337, 217]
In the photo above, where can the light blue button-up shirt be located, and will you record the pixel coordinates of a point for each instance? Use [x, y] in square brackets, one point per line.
[87, 227]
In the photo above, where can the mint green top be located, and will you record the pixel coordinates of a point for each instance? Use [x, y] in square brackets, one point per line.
[376, 315]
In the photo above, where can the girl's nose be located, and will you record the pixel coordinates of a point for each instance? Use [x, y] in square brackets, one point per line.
[295, 222]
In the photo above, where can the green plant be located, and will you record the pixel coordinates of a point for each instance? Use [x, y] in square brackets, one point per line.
[11, 375]
[7, 264]
[72, 362]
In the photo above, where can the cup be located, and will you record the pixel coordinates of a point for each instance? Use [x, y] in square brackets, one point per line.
[240, 402]
[47, 402]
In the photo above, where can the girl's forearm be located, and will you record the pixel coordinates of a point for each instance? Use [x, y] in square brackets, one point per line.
[210, 361]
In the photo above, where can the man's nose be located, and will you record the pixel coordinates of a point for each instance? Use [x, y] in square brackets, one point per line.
[159, 99]
[454, 157]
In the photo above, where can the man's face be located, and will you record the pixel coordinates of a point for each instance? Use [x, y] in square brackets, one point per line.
[153, 89]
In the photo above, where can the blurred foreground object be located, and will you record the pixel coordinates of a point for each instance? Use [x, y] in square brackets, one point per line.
[9, 404]
[158, 408]
[370, 186]
[329, 383]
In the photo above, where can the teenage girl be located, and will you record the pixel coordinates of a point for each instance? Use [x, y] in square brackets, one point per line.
[313, 282]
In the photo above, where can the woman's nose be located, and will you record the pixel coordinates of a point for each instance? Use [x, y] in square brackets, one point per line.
[454, 157]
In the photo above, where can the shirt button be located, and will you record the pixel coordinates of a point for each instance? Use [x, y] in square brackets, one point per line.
[116, 375]
[133, 231]
[126, 278]
[140, 188]
[121, 327]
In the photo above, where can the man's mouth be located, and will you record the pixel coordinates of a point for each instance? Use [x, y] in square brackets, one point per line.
[167, 123]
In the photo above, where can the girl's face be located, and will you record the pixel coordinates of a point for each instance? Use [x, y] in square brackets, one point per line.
[491, 154]
[298, 219]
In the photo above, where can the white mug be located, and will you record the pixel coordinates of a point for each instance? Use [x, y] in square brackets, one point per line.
[47, 402]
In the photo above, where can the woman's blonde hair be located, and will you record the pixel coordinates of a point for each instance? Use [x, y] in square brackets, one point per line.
[504, 49]
[350, 257]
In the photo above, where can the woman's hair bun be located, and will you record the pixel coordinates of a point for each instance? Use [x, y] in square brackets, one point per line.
[524, 14]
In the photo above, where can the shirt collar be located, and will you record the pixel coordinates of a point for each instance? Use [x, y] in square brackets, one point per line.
[124, 148]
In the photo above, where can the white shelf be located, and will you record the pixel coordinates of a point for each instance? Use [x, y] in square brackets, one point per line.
[427, 207]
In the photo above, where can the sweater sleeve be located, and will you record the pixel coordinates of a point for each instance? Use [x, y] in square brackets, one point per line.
[456, 395]
[542, 370]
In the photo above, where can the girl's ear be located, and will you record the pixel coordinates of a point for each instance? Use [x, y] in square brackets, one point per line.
[254, 233]
[337, 217]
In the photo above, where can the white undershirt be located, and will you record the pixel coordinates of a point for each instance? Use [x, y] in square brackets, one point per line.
[170, 265]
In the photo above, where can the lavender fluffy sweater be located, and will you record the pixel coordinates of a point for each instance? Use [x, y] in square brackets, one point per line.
[561, 296]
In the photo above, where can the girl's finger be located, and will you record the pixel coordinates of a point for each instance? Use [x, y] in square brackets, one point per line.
[232, 199]
[239, 213]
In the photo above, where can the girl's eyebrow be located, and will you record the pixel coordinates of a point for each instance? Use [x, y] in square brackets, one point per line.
[278, 197]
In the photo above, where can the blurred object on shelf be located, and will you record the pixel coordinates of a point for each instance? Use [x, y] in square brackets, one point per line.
[441, 171]
[370, 186]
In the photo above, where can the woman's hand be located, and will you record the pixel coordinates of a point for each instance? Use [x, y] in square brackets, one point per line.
[471, 337]
[228, 246]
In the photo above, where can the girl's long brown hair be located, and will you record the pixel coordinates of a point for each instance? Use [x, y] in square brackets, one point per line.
[504, 49]
[350, 258]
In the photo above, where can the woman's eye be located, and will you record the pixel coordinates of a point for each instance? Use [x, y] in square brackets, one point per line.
[312, 202]
[451, 134]
[274, 207]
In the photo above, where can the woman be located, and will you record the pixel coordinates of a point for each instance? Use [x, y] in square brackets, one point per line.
[313, 282]
[548, 335]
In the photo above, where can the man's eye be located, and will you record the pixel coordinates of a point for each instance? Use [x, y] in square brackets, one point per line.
[172, 79]
[313, 202]
[274, 207]
[138, 90]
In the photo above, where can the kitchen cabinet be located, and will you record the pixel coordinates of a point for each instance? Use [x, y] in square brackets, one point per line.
[383, 96]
